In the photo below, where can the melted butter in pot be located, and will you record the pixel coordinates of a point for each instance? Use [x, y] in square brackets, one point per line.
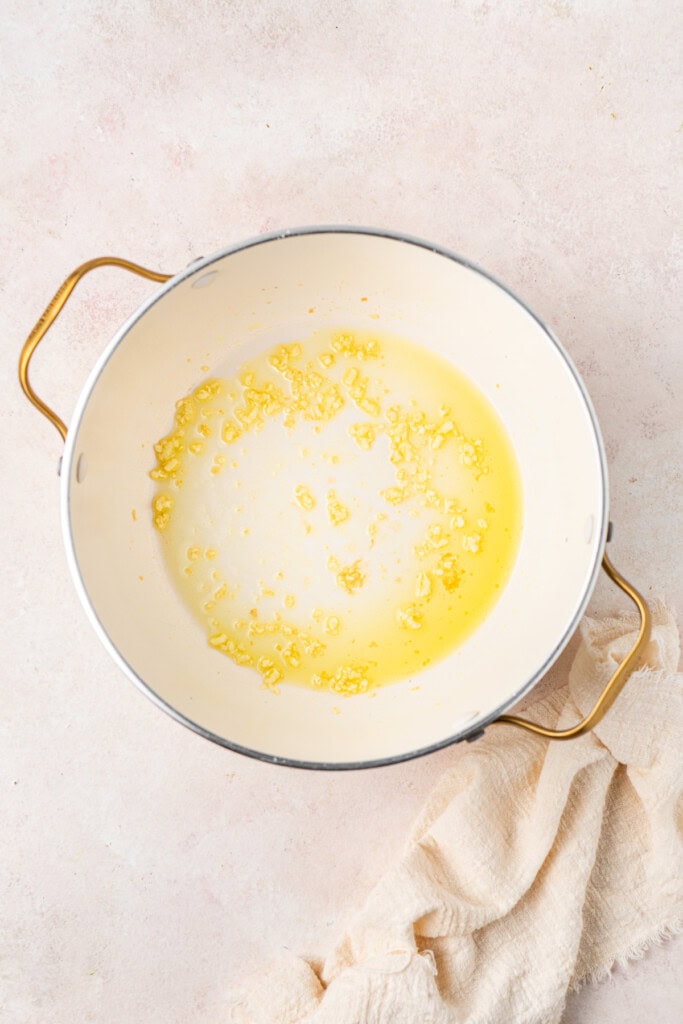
[340, 514]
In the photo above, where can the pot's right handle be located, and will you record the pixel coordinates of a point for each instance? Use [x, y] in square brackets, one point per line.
[618, 679]
[54, 308]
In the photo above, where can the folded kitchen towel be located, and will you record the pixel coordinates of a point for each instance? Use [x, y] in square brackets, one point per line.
[534, 865]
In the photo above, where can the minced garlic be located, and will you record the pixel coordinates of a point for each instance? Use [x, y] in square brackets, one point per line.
[336, 511]
[304, 498]
[350, 577]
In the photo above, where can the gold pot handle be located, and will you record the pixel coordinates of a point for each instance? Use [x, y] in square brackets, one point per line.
[52, 311]
[618, 679]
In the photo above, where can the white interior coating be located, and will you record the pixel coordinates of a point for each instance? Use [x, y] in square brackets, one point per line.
[263, 292]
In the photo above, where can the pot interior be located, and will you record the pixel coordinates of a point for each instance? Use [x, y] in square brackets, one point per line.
[221, 312]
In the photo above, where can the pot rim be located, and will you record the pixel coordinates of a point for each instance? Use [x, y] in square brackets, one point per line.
[197, 266]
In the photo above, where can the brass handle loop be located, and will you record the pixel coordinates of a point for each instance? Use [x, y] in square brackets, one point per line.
[616, 682]
[52, 311]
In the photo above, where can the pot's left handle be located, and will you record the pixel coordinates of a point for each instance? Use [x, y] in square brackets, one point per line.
[52, 311]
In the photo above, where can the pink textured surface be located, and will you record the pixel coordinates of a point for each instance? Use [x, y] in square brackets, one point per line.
[143, 869]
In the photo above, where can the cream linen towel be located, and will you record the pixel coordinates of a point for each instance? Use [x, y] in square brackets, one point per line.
[534, 865]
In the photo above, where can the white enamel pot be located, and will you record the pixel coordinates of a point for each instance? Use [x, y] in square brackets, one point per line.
[208, 312]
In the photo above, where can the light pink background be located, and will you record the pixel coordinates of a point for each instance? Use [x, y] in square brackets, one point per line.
[141, 869]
